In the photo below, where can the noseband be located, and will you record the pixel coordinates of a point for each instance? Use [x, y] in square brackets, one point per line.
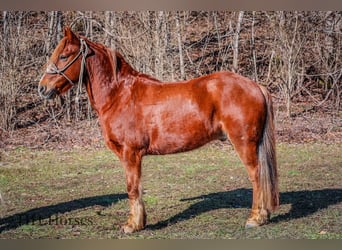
[83, 51]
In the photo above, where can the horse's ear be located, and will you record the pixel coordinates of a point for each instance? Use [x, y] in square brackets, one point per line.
[69, 34]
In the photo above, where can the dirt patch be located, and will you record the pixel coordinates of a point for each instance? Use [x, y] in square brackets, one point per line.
[52, 135]
[309, 127]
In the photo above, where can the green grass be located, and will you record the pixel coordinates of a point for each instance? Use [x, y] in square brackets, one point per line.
[200, 194]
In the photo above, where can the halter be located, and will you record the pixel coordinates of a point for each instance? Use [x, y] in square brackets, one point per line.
[83, 51]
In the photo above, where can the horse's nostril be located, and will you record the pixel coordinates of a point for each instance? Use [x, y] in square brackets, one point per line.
[41, 89]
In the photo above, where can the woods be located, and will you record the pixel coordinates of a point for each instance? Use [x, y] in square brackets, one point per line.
[296, 55]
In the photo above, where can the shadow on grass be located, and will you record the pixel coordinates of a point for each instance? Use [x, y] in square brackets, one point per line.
[303, 203]
[36, 215]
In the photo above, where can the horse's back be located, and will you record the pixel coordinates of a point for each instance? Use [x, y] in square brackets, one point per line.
[231, 94]
[182, 116]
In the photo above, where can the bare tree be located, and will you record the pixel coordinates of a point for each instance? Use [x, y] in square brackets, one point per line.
[253, 48]
[330, 56]
[55, 24]
[289, 45]
[159, 47]
[4, 33]
[10, 73]
[236, 41]
[180, 45]
[109, 26]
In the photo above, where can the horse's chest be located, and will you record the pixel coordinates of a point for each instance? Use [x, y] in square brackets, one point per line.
[121, 128]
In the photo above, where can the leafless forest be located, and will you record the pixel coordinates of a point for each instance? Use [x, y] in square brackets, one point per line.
[297, 55]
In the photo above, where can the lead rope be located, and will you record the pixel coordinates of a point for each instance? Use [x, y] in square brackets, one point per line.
[80, 78]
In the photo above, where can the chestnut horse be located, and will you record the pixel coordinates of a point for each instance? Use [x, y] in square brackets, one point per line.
[140, 115]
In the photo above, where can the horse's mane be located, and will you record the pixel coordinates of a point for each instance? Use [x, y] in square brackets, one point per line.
[118, 62]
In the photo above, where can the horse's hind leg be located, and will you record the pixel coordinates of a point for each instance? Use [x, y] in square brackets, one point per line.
[246, 146]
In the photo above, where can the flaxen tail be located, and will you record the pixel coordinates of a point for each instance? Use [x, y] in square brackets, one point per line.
[268, 175]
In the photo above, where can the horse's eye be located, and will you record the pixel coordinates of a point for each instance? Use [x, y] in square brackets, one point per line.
[63, 57]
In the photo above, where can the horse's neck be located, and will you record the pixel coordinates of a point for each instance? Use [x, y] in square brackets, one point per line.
[103, 79]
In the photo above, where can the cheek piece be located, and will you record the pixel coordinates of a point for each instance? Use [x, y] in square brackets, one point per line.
[53, 70]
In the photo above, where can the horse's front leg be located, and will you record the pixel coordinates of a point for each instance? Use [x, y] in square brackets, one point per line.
[137, 218]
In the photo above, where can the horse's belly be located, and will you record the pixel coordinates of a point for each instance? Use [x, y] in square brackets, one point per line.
[181, 137]
[175, 143]
[178, 124]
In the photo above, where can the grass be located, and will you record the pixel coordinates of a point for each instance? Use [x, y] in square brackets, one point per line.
[200, 194]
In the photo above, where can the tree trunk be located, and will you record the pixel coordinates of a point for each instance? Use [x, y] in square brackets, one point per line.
[5, 34]
[109, 26]
[49, 41]
[158, 60]
[180, 46]
[253, 50]
[236, 42]
[59, 26]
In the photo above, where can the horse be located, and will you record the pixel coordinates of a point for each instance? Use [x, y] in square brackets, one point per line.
[140, 115]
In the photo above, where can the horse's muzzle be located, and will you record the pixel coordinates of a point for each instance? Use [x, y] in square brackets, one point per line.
[46, 94]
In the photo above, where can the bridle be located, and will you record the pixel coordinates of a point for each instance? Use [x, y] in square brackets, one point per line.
[53, 70]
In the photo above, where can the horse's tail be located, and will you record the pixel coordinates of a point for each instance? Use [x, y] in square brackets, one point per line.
[268, 175]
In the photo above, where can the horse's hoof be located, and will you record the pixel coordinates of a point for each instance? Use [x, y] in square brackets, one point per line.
[251, 224]
[128, 229]
[131, 228]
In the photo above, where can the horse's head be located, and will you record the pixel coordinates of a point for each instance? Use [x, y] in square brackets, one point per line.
[65, 67]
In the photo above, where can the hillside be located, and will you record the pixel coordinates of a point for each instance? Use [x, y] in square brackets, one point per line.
[296, 55]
